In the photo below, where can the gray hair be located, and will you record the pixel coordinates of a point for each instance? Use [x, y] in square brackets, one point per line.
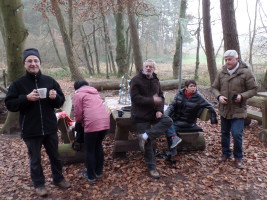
[231, 52]
[150, 60]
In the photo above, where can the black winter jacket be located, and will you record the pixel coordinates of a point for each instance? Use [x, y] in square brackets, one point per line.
[36, 118]
[183, 109]
[142, 90]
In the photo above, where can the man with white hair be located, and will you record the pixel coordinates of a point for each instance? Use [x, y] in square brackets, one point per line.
[147, 108]
[232, 87]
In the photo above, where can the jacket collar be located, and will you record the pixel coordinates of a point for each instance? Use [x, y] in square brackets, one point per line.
[34, 76]
[154, 75]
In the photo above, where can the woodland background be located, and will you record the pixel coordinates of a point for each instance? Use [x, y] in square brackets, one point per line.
[101, 41]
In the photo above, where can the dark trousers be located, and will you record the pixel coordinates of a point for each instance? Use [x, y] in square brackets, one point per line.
[34, 146]
[94, 154]
[160, 126]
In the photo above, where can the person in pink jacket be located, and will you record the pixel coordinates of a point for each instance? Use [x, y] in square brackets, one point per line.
[90, 111]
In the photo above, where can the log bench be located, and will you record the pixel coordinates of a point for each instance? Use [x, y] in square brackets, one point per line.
[259, 101]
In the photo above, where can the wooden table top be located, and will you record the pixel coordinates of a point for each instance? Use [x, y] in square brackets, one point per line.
[262, 94]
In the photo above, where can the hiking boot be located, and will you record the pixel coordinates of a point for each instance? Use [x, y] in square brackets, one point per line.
[238, 164]
[223, 158]
[141, 142]
[98, 175]
[63, 184]
[175, 141]
[172, 152]
[154, 173]
[91, 180]
[41, 191]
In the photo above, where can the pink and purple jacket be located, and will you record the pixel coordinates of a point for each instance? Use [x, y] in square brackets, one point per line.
[89, 109]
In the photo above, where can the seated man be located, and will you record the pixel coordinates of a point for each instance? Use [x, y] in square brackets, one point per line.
[184, 110]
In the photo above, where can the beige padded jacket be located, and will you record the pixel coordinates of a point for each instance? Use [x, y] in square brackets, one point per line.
[243, 82]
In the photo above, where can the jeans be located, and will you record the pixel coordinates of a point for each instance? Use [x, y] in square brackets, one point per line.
[171, 131]
[94, 154]
[236, 126]
[34, 146]
[160, 126]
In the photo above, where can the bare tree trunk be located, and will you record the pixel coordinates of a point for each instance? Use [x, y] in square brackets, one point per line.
[197, 53]
[230, 35]
[108, 43]
[55, 45]
[85, 50]
[75, 73]
[70, 12]
[120, 49]
[177, 56]
[134, 38]
[14, 37]
[208, 40]
[252, 35]
[198, 42]
[89, 49]
[96, 52]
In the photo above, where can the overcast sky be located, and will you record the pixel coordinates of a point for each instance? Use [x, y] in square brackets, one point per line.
[241, 18]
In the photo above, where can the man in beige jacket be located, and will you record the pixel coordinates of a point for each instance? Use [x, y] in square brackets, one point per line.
[232, 87]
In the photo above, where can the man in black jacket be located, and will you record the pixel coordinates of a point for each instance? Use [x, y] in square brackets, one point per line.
[37, 118]
[147, 108]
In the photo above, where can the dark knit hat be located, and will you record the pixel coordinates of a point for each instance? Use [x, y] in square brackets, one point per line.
[29, 52]
[79, 84]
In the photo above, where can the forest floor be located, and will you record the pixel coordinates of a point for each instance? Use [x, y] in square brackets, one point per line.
[194, 175]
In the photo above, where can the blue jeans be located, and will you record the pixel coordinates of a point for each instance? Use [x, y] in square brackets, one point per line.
[236, 126]
[160, 126]
[94, 154]
[34, 146]
[171, 131]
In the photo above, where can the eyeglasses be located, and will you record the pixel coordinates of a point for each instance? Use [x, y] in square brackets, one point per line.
[149, 66]
[34, 60]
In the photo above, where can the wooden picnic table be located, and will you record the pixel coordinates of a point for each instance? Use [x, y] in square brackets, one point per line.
[263, 133]
[122, 127]
[263, 108]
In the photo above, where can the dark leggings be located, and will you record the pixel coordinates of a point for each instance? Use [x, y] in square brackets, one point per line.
[94, 154]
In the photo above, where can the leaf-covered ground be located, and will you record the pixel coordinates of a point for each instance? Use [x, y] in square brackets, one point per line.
[195, 175]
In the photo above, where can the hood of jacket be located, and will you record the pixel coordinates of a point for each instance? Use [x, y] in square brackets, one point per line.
[87, 89]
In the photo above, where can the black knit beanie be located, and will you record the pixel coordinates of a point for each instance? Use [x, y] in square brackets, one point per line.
[79, 84]
[29, 52]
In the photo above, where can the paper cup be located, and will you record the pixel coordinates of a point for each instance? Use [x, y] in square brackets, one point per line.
[42, 92]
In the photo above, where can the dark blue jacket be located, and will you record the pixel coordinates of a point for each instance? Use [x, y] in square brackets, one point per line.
[183, 109]
[36, 118]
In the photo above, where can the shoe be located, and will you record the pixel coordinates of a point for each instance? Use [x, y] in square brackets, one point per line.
[238, 164]
[154, 174]
[141, 142]
[91, 180]
[175, 141]
[98, 175]
[84, 174]
[63, 184]
[223, 158]
[41, 191]
[172, 152]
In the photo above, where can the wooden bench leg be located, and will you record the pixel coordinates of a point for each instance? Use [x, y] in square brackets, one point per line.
[263, 136]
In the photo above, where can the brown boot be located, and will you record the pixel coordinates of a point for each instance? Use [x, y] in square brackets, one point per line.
[238, 164]
[41, 191]
[63, 184]
[154, 173]
[223, 158]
